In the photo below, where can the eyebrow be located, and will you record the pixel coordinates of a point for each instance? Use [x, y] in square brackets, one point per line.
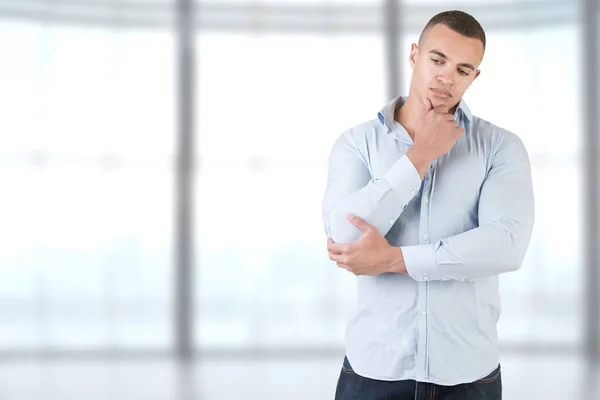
[442, 55]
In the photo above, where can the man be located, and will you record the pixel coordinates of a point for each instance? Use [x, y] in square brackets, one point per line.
[427, 205]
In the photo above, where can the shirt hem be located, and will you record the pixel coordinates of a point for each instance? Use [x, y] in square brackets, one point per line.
[412, 377]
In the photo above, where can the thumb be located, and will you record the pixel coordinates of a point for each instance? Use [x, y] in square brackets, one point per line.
[426, 105]
[358, 222]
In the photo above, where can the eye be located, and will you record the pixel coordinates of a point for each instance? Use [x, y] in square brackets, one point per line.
[436, 62]
[463, 72]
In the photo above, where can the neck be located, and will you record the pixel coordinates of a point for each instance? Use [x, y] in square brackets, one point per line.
[408, 114]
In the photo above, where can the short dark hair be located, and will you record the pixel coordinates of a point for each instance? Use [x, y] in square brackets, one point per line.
[460, 22]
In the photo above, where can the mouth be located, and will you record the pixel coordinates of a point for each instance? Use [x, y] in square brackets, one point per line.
[442, 94]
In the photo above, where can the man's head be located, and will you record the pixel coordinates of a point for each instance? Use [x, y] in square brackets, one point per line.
[447, 58]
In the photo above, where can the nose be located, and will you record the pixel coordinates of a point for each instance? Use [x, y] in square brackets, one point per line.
[445, 80]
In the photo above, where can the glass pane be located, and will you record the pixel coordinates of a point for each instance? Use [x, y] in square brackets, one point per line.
[270, 109]
[284, 98]
[20, 82]
[21, 306]
[82, 91]
[90, 228]
[89, 264]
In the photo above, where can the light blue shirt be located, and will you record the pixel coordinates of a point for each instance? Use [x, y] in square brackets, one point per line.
[469, 220]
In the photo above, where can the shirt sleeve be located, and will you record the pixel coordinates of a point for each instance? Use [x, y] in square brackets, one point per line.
[499, 243]
[352, 189]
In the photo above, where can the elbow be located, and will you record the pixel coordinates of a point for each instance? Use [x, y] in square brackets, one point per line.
[514, 260]
[518, 236]
[514, 263]
[339, 229]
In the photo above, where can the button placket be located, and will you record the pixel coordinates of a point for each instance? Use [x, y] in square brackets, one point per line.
[422, 303]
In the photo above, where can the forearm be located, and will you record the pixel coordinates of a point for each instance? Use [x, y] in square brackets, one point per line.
[482, 252]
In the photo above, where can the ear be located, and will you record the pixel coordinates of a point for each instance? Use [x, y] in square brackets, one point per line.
[414, 53]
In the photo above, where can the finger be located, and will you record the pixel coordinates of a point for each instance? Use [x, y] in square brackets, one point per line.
[330, 244]
[457, 133]
[426, 105]
[338, 258]
[344, 266]
[358, 222]
[336, 248]
[446, 118]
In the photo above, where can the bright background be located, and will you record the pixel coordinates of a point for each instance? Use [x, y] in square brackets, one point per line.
[105, 292]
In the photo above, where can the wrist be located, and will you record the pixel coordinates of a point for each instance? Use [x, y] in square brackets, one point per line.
[396, 264]
[419, 160]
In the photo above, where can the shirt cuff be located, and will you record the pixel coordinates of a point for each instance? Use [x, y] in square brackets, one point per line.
[420, 262]
[404, 178]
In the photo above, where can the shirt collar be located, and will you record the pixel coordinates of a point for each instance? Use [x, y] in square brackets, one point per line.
[386, 114]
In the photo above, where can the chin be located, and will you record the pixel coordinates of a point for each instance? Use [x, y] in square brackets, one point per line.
[435, 102]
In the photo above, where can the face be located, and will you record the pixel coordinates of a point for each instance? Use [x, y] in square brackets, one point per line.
[444, 65]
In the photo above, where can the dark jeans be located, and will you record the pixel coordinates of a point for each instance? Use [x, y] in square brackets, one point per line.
[352, 386]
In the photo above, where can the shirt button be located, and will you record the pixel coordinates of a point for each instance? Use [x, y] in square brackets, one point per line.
[426, 201]
[425, 238]
[412, 192]
[425, 278]
[391, 222]
[423, 314]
